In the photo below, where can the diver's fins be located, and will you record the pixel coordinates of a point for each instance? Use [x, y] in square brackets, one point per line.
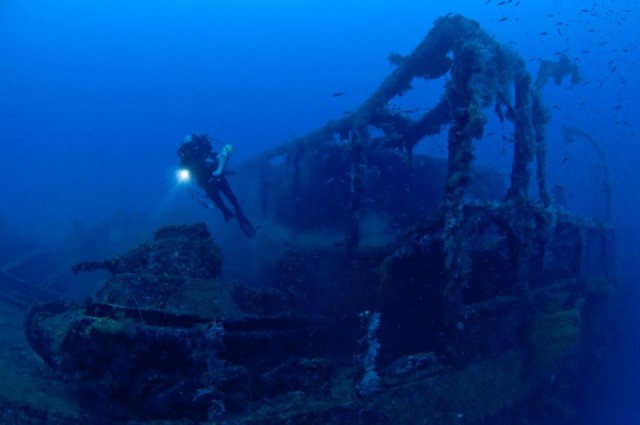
[246, 226]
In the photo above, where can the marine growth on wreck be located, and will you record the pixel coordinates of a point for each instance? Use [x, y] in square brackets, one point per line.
[481, 310]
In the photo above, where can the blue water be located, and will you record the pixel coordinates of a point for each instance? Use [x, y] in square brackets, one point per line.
[95, 97]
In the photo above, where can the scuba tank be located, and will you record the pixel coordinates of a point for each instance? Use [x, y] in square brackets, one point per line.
[223, 158]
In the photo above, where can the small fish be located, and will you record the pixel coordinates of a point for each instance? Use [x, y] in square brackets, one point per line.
[337, 94]
[503, 19]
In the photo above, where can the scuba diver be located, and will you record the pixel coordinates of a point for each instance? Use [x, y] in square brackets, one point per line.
[198, 158]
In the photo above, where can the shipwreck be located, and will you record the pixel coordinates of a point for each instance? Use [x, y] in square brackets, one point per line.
[481, 308]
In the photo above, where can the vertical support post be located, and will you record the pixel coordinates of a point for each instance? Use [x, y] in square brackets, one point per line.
[356, 146]
[468, 122]
[295, 157]
[540, 119]
[264, 185]
[458, 178]
[524, 141]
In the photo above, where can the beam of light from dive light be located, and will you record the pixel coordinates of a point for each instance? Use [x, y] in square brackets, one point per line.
[184, 175]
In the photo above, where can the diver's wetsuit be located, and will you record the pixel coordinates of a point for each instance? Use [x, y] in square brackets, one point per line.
[198, 157]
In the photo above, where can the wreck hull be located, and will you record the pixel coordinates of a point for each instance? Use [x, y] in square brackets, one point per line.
[495, 358]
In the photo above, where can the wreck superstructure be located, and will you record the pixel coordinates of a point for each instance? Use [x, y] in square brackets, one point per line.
[483, 75]
[484, 295]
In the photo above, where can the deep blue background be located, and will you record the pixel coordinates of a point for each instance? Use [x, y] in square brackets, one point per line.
[95, 97]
